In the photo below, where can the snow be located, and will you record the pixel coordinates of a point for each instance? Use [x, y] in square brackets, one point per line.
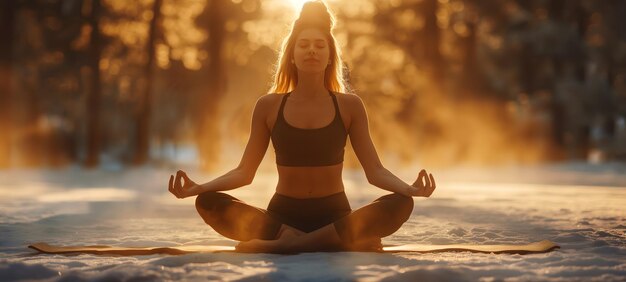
[579, 206]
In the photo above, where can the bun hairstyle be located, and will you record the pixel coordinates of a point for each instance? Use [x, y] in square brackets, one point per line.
[314, 14]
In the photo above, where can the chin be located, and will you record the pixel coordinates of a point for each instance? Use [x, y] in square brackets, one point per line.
[312, 70]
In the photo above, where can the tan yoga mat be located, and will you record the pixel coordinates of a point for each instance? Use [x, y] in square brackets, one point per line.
[532, 248]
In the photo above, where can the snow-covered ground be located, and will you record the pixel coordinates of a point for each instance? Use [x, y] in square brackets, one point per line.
[579, 206]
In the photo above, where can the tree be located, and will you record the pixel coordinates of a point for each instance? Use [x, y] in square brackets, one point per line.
[206, 110]
[145, 103]
[94, 95]
[7, 25]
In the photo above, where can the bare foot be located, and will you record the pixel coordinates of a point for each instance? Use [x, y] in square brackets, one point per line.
[285, 227]
[280, 245]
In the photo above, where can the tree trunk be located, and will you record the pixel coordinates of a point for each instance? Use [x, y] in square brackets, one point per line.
[432, 39]
[582, 23]
[93, 98]
[207, 115]
[429, 39]
[145, 104]
[472, 75]
[6, 76]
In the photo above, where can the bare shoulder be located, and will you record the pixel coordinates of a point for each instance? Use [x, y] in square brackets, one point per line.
[352, 102]
[267, 102]
[266, 108]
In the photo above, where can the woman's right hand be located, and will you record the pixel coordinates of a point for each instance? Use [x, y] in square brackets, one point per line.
[182, 187]
[425, 184]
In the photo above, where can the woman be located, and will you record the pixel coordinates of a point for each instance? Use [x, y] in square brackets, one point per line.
[308, 120]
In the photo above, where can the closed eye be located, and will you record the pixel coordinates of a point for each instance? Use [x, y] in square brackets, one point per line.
[320, 43]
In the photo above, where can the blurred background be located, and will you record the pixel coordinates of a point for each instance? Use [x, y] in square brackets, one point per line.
[117, 84]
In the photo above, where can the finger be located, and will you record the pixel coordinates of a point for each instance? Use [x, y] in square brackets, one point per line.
[177, 184]
[426, 180]
[421, 177]
[432, 181]
[170, 186]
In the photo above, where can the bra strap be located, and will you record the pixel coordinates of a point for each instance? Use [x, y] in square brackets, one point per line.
[336, 104]
[282, 106]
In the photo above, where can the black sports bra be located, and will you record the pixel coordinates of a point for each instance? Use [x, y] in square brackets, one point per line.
[308, 147]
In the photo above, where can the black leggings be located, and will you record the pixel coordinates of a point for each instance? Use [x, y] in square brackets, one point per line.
[239, 221]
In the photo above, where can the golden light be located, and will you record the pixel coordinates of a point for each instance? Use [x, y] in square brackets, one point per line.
[87, 195]
[297, 4]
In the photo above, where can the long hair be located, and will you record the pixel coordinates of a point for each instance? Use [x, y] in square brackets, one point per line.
[314, 14]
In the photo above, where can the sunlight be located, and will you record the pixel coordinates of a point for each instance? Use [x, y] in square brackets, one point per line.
[297, 4]
[88, 195]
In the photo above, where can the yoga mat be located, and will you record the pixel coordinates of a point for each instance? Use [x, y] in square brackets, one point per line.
[532, 248]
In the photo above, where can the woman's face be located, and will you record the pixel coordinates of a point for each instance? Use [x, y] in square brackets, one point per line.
[311, 51]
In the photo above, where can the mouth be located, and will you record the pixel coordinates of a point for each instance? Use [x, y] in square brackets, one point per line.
[311, 60]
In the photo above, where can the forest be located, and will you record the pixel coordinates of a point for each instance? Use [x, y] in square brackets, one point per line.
[445, 82]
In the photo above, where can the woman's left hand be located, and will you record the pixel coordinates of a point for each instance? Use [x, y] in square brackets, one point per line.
[425, 184]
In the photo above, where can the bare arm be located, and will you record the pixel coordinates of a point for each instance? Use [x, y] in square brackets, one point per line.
[244, 173]
[375, 172]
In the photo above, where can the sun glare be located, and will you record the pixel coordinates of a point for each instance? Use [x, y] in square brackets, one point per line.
[297, 4]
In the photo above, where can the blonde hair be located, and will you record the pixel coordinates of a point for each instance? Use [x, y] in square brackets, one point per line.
[314, 14]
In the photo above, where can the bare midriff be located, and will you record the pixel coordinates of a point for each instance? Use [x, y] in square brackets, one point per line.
[309, 182]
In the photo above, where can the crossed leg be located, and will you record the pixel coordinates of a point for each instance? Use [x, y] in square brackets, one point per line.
[234, 219]
[259, 232]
